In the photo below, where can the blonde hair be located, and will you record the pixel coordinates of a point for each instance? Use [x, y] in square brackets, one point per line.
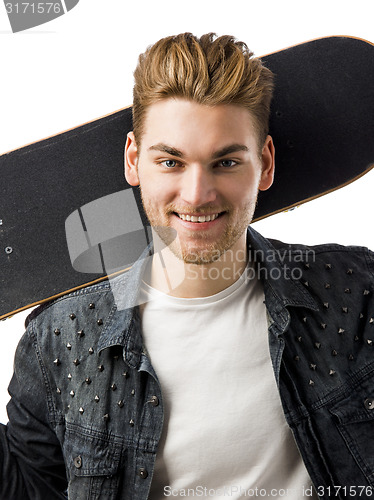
[207, 70]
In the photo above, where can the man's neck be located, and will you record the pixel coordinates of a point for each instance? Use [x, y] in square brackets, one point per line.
[171, 275]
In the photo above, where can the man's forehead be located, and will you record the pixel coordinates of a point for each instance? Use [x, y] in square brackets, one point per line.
[180, 108]
[186, 125]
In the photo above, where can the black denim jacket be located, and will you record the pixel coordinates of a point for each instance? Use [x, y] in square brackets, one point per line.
[86, 412]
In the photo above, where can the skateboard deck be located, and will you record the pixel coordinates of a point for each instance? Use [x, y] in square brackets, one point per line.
[68, 217]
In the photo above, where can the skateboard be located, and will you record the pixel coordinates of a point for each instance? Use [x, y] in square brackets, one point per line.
[67, 215]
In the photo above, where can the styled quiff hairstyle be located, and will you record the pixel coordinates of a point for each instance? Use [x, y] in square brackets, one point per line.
[206, 70]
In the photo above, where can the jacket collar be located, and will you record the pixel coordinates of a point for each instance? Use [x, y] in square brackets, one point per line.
[123, 325]
[280, 269]
[280, 287]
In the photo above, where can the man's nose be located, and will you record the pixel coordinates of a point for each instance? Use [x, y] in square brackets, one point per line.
[198, 186]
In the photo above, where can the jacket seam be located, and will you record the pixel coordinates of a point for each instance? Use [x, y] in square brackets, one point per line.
[52, 411]
[346, 389]
[369, 255]
[101, 289]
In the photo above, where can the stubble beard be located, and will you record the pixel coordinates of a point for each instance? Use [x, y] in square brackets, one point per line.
[211, 251]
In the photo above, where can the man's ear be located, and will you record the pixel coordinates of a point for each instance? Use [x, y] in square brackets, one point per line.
[131, 160]
[268, 164]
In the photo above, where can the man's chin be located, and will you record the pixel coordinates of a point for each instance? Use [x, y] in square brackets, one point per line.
[200, 260]
[197, 256]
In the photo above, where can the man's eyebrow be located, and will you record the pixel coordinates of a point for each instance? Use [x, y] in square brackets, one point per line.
[166, 149]
[232, 148]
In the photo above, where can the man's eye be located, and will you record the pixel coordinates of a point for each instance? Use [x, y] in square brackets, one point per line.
[169, 163]
[227, 163]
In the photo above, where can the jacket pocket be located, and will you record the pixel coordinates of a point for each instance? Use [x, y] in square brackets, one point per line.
[93, 460]
[355, 422]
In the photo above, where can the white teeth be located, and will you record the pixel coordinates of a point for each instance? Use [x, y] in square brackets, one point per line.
[199, 218]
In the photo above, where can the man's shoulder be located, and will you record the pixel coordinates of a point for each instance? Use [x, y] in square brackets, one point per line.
[331, 273]
[326, 254]
[323, 248]
[324, 264]
[88, 301]
[258, 241]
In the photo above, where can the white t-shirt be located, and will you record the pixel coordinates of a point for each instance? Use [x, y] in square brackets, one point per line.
[224, 432]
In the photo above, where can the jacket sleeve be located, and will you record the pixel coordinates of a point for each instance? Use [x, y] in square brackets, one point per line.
[31, 461]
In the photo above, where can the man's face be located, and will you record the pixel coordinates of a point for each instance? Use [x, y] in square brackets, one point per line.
[199, 172]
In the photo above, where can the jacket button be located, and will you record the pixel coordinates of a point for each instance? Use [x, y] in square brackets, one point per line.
[369, 403]
[142, 472]
[154, 401]
[78, 462]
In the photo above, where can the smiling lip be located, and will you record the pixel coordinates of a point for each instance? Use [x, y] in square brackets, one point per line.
[199, 218]
[204, 225]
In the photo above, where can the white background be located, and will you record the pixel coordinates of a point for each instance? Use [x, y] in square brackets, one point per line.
[79, 67]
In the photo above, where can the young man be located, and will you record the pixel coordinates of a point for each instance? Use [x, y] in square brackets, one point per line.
[224, 365]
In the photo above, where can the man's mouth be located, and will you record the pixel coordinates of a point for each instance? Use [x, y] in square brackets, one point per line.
[198, 218]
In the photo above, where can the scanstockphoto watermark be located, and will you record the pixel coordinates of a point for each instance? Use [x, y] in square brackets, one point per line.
[270, 264]
[251, 272]
[26, 15]
[269, 256]
[238, 491]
